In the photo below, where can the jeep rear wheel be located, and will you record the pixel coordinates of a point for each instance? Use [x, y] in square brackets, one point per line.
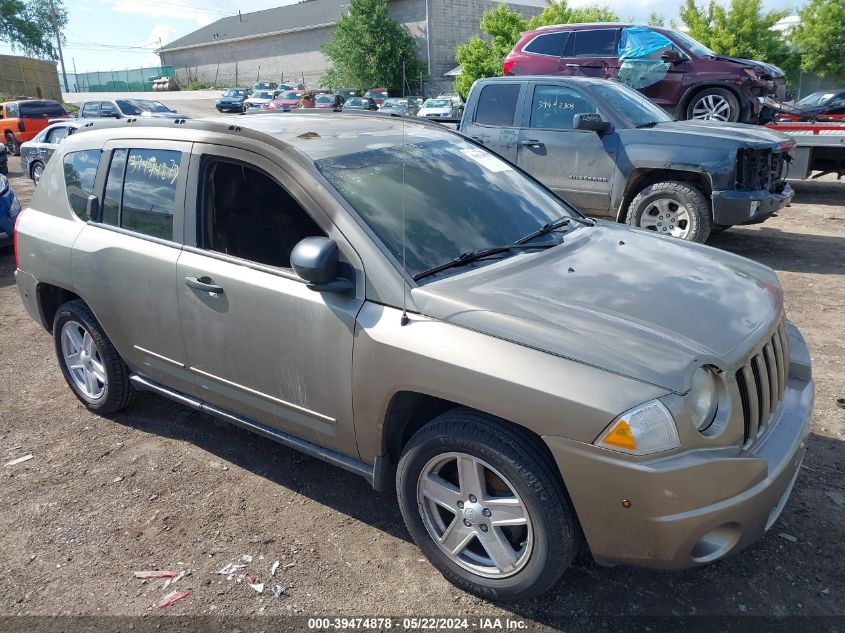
[484, 502]
[714, 104]
[91, 365]
[36, 171]
[676, 209]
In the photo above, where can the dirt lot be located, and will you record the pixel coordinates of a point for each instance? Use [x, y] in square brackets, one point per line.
[163, 487]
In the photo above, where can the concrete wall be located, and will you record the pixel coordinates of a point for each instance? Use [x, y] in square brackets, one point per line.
[24, 76]
[297, 54]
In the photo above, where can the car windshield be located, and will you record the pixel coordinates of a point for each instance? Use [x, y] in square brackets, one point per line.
[394, 103]
[291, 95]
[376, 93]
[357, 102]
[139, 106]
[325, 99]
[694, 46]
[233, 93]
[457, 197]
[438, 103]
[633, 106]
[817, 99]
[263, 94]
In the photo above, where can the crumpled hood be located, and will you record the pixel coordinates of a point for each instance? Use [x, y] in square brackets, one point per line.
[746, 134]
[770, 69]
[620, 299]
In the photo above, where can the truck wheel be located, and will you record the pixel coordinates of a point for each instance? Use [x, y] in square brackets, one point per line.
[714, 104]
[486, 506]
[12, 144]
[672, 208]
[90, 363]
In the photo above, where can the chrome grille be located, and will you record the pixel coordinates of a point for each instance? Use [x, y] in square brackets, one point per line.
[762, 381]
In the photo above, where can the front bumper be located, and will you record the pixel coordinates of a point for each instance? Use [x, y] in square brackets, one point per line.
[230, 107]
[695, 507]
[738, 207]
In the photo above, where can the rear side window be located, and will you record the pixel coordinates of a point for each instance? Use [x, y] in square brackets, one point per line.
[497, 104]
[141, 191]
[107, 109]
[41, 109]
[80, 171]
[57, 134]
[91, 110]
[548, 44]
[596, 42]
[12, 111]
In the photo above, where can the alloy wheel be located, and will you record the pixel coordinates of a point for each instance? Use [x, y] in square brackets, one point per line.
[475, 515]
[83, 360]
[712, 108]
[667, 216]
[37, 170]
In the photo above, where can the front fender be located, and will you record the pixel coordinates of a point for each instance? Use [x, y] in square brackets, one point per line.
[546, 394]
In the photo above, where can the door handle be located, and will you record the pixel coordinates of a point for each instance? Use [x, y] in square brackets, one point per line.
[532, 143]
[203, 284]
[573, 65]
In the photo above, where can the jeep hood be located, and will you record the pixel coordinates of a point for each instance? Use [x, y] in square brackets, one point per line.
[773, 71]
[620, 299]
[707, 130]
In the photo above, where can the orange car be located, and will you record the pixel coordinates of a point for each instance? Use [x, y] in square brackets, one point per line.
[22, 120]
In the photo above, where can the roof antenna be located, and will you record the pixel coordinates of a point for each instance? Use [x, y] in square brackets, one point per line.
[404, 320]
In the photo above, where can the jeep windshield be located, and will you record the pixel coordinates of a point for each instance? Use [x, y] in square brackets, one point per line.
[139, 106]
[458, 199]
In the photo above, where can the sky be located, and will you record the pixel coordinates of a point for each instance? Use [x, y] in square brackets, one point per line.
[120, 34]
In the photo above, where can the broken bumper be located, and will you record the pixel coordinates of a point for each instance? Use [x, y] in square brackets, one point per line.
[748, 207]
[696, 507]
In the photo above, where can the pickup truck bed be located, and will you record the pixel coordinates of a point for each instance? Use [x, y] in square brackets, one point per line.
[819, 148]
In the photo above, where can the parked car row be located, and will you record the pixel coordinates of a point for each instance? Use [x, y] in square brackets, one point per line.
[417, 310]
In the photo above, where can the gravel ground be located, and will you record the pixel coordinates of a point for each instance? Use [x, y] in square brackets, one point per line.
[162, 487]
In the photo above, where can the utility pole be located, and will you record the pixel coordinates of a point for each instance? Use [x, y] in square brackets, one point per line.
[59, 43]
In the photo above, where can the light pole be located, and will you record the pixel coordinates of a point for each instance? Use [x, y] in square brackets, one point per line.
[59, 43]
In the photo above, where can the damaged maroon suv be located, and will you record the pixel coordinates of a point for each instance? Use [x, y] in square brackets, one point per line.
[672, 69]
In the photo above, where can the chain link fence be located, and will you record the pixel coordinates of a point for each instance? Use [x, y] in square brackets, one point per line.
[129, 80]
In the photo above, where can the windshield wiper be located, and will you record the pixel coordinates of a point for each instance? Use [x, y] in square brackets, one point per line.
[472, 256]
[647, 124]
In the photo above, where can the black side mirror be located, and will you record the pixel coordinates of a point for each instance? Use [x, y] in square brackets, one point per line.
[92, 208]
[316, 260]
[591, 122]
[672, 56]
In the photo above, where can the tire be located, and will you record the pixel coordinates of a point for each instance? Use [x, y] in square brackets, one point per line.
[36, 171]
[680, 204]
[515, 464]
[117, 392]
[12, 146]
[714, 104]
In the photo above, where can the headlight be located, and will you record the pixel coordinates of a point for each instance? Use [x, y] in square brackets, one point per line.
[648, 428]
[4, 184]
[703, 397]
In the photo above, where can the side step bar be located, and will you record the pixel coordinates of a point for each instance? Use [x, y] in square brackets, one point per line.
[375, 473]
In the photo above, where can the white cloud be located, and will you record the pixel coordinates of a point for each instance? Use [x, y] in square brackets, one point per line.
[165, 10]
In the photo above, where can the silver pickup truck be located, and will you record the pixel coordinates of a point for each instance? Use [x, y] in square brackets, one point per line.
[385, 295]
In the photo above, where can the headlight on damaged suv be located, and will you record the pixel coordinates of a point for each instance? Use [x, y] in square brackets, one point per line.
[703, 398]
[647, 428]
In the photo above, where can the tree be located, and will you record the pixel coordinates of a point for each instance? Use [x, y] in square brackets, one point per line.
[483, 58]
[27, 25]
[368, 49]
[820, 36]
[741, 30]
[655, 19]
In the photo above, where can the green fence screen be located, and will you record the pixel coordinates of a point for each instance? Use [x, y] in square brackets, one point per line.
[129, 80]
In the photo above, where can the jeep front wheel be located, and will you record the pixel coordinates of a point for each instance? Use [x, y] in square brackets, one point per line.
[484, 503]
[676, 209]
